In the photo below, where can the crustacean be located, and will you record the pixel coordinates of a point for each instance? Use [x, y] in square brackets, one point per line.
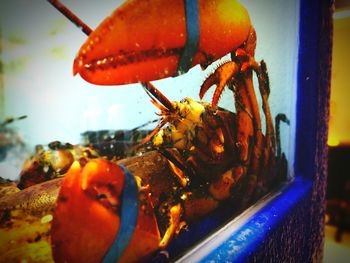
[51, 161]
[123, 50]
[209, 151]
[141, 55]
[168, 188]
[202, 134]
[34, 221]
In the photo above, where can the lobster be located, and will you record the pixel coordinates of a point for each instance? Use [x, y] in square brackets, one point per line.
[51, 162]
[206, 147]
[123, 50]
[191, 138]
[141, 55]
[34, 221]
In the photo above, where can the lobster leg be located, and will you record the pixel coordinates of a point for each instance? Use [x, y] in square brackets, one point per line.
[247, 117]
[176, 165]
[238, 74]
[221, 77]
[260, 159]
[269, 151]
[247, 109]
[281, 164]
[253, 140]
[175, 225]
[256, 122]
[268, 158]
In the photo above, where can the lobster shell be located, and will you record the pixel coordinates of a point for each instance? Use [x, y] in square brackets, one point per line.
[143, 40]
[86, 218]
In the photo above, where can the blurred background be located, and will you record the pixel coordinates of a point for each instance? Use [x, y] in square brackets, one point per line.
[337, 242]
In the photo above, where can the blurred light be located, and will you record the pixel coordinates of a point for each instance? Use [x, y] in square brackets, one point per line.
[333, 141]
[341, 14]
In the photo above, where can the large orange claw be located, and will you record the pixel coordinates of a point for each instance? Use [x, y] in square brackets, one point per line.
[87, 217]
[143, 40]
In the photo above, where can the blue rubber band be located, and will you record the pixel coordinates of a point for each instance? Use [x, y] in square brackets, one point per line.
[192, 41]
[128, 219]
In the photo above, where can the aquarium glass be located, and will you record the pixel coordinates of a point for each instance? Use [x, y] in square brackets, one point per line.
[43, 104]
[39, 45]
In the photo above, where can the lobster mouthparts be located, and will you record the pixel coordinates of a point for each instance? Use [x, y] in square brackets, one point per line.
[143, 41]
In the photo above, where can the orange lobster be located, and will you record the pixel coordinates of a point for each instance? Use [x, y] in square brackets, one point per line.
[140, 42]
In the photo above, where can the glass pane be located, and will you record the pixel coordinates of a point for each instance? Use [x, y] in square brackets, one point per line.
[213, 147]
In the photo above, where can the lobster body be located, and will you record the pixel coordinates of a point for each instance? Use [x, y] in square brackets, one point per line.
[206, 155]
[203, 134]
[84, 208]
[143, 41]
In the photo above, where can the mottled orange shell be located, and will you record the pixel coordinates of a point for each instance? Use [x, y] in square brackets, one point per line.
[143, 39]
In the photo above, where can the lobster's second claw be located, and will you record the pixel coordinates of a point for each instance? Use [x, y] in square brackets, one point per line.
[222, 75]
[91, 197]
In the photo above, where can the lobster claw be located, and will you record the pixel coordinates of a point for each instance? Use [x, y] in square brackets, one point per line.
[89, 218]
[142, 41]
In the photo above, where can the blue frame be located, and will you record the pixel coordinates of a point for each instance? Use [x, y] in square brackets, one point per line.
[242, 242]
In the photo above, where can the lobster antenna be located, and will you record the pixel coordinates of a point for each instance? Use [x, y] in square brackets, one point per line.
[87, 30]
[144, 125]
[152, 90]
[280, 117]
[147, 85]
[11, 119]
[72, 17]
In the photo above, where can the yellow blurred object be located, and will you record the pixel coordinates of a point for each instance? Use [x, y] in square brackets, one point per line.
[333, 141]
[339, 125]
[26, 238]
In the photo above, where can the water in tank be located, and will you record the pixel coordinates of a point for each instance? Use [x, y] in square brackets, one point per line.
[132, 130]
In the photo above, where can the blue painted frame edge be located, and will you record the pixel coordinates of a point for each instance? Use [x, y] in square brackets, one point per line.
[308, 84]
[247, 239]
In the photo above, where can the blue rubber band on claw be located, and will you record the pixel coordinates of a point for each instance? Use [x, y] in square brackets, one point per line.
[128, 218]
[192, 41]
